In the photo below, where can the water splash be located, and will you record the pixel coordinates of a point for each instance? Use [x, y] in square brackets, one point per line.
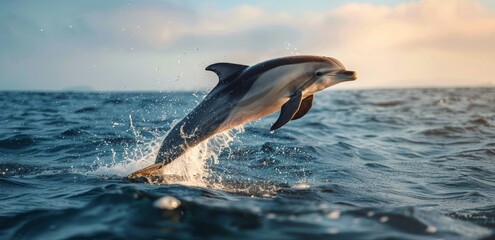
[136, 158]
[190, 169]
[194, 168]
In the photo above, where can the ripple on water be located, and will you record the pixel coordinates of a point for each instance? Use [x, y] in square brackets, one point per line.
[388, 103]
[16, 142]
[87, 110]
[73, 132]
[16, 169]
[377, 166]
[481, 121]
[484, 216]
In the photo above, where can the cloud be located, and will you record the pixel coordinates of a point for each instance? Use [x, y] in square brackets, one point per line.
[421, 43]
[439, 23]
[119, 46]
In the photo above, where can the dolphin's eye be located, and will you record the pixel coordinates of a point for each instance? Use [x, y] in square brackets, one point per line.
[318, 74]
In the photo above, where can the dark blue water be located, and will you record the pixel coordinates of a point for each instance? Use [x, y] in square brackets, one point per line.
[371, 164]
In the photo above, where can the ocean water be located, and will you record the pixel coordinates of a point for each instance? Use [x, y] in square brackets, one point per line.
[363, 164]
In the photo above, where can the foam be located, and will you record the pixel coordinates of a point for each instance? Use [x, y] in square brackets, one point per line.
[190, 169]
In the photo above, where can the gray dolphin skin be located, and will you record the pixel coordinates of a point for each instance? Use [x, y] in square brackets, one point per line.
[248, 93]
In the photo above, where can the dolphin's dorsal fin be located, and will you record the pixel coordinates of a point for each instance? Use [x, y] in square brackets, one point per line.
[306, 104]
[289, 109]
[225, 70]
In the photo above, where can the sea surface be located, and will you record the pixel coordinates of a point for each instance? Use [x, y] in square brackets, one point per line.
[362, 164]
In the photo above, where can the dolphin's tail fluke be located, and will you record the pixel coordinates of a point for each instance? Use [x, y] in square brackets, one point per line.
[146, 172]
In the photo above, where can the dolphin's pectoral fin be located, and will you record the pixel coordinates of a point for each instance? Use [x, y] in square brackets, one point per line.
[225, 70]
[288, 110]
[306, 104]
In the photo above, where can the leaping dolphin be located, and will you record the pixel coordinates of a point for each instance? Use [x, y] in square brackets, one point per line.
[248, 93]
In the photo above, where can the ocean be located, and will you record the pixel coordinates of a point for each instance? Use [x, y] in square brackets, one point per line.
[362, 164]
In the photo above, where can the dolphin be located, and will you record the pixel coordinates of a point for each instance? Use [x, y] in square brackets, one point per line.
[247, 93]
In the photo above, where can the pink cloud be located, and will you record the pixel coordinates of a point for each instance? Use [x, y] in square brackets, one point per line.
[422, 43]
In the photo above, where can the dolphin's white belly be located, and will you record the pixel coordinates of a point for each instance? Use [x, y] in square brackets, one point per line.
[265, 97]
[251, 111]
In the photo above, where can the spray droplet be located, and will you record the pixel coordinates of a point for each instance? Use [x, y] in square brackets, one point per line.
[301, 186]
[334, 215]
[431, 229]
[167, 203]
[179, 76]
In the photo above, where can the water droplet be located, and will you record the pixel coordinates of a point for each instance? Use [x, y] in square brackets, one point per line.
[384, 219]
[179, 76]
[41, 30]
[256, 209]
[301, 186]
[431, 229]
[334, 215]
[167, 203]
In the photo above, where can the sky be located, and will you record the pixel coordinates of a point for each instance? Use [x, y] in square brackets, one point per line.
[118, 45]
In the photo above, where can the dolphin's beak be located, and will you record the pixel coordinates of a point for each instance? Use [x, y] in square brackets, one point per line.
[345, 75]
